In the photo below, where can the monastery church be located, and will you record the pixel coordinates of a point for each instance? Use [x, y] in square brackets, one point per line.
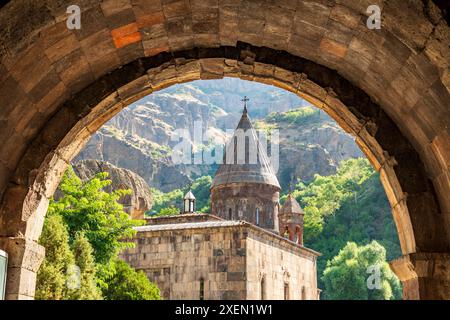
[249, 247]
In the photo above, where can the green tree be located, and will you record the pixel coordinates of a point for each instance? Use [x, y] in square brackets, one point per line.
[201, 190]
[324, 195]
[83, 232]
[86, 207]
[169, 211]
[52, 275]
[349, 206]
[124, 283]
[171, 203]
[360, 273]
[299, 116]
[84, 260]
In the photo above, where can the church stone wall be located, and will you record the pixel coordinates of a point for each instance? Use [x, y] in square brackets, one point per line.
[231, 261]
[281, 264]
[177, 260]
[243, 199]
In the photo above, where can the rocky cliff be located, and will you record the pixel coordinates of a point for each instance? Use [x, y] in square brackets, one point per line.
[308, 145]
[135, 204]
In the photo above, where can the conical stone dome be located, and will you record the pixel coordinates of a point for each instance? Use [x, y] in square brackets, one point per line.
[291, 206]
[245, 161]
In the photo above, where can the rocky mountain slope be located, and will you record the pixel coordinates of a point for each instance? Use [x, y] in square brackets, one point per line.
[135, 204]
[310, 143]
[140, 138]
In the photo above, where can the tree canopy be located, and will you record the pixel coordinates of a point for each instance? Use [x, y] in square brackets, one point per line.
[360, 273]
[86, 207]
[83, 233]
[170, 203]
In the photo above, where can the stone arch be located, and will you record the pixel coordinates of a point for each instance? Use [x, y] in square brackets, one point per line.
[257, 216]
[389, 88]
[262, 288]
[297, 234]
[287, 233]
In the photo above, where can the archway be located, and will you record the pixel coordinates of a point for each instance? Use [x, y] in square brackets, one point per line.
[389, 88]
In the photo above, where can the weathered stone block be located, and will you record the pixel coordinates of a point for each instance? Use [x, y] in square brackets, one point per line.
[175, 8]
[329, 46]
[126, 35]
[98, 45]
[313, 12]
[345, 16]
[22, 254]
[212, 68]
[112, 7]
[62, 48]
[93, 22]
[235, 276]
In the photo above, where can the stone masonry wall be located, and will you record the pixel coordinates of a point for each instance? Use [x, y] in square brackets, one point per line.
[279, 263]
[231, 261]
[177, 259]
[243, 199]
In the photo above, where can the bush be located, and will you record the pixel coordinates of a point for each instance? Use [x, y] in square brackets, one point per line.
[348, 275]
[171, 203]
[124, 283]
[297, 116]
[52, 275]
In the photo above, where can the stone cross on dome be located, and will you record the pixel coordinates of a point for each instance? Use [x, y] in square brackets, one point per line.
[245, 99]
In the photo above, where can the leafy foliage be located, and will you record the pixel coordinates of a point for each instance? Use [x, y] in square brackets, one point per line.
[84, 259]
[359, 212]
[323, 196]
[52, 275]
[124, 283]
[85, 207]
[297, 116]
[352, 274]
[171, 203]
[86, 227]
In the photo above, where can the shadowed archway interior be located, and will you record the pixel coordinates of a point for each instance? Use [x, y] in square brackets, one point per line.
[389, 88]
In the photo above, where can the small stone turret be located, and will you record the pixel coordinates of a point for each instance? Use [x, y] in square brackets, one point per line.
[291, 220]
[189, 202]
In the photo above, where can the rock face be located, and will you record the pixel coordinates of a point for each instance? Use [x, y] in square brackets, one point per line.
[312, 148]
[135, 204]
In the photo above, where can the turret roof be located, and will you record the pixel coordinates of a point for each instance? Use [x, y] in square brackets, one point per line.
[291, 206]
[251, 166]
[189, 196]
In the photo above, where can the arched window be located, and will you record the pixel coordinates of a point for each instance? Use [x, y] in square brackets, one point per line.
[286, 233]
[286, 291]
[263, 289]
[202, 289]
[297, 235]
[230, 214]
[303, 293]
[257, 216]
